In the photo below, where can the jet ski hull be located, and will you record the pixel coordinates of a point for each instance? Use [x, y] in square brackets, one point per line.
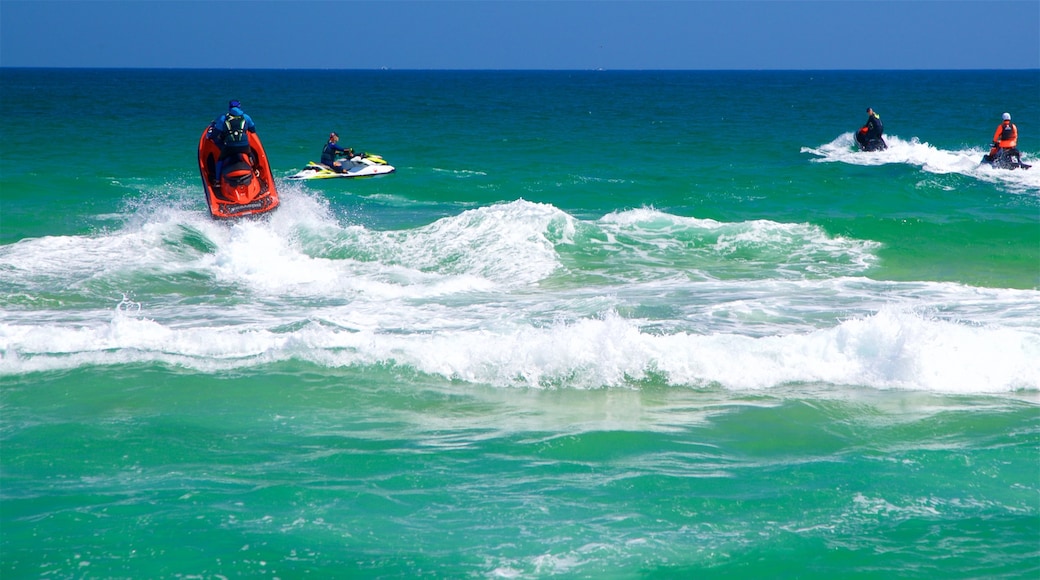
[366, 165]
[1004, 159]
[873, 144]
[246, 186]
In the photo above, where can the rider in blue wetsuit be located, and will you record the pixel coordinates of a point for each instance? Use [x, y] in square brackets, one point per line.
[229, 132]
[333, 150]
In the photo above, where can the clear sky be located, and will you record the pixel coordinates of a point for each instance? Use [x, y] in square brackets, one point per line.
[522, 34]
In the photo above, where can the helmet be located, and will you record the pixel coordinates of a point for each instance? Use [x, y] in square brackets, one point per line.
[1006, 116]
[233, 103]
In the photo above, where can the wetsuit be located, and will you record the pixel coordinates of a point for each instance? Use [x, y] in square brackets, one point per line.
[238, 143]
[874, 127]
[329, 154]
[869, 137]
[220, 129]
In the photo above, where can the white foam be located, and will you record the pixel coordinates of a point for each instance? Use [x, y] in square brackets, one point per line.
[893, 348]
[487, 296]
[785, 249]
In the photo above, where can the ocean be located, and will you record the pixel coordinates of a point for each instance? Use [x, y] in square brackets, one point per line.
[598, 324]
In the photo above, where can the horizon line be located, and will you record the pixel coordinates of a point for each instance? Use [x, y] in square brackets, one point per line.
[598, 69]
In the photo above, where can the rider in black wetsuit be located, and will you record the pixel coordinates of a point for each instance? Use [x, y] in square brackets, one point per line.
[869, 136]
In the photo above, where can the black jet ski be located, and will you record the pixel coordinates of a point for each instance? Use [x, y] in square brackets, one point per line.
[1005, 158]
[865, 144]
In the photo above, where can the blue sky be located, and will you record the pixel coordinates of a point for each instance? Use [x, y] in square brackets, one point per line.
[522, 34]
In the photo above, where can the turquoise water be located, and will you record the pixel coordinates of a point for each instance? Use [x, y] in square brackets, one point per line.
[597, 324]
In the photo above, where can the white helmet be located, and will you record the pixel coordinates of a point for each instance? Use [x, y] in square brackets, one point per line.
[1006, 116]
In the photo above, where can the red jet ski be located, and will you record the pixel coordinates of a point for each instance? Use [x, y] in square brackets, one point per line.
[245, 186]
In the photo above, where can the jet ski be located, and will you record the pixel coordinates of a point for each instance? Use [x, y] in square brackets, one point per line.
[1004, 159]
[245, 185]
[363, 165]
[865, 144]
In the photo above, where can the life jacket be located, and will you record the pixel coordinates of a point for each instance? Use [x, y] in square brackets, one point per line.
[328, 154]
[235, 133]
[1006, 135]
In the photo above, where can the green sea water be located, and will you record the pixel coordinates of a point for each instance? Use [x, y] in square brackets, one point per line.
[596, 325]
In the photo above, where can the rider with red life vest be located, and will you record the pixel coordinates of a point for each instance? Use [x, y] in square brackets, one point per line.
[1006, 137]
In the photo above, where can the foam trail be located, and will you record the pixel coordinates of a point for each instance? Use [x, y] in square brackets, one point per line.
[929, 158]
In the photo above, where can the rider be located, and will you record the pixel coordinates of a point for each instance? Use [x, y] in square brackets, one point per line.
[1005, 137]
[872, 130]
[333, 150]
[229, 132]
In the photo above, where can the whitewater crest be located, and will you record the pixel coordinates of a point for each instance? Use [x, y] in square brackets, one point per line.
[516, 294]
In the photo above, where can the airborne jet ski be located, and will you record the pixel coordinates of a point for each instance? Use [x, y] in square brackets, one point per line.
[363, 165]
[245, 185]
